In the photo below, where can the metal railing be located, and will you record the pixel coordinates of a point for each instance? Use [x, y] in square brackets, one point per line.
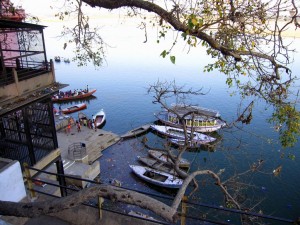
[185, 203]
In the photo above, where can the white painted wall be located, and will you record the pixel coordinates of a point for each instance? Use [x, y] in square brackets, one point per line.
[11, 181]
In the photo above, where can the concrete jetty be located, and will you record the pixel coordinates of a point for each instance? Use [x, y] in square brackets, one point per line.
[95, 141]
[87, 166]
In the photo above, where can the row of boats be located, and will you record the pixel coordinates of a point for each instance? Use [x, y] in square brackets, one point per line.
[158, 169]
[58, 59]
[98, 119]
[183, 125]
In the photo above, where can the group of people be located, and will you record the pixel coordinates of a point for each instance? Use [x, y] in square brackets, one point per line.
[64, 94]
[90, 123]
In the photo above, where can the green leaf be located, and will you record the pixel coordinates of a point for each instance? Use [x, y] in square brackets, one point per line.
[172, 58]
[164, 53]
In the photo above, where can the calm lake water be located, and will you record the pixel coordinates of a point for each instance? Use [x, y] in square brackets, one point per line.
[122, 85]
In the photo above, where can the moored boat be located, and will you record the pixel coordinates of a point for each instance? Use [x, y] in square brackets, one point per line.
[182, 108]
[157, 177]
[178, 133]
[136, 131]
[66, 60]
[163, 157]
[156, 164]
[198, 118]
[57, 59]
[74, 108]
[82, 118]
[181, 142]
[67, 96]
[99, 118]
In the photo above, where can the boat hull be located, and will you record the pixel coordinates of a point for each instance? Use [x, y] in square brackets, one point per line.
[99, 118]
[157, 177]
[74, 108]
[155, 164]
[205, 127]
[136, 132]
[163, 157]
[178, 133]
[72, 98]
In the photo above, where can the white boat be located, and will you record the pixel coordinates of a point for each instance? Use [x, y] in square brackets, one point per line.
[200, 119]
[181, 142]
[74, 108]
[99, 118]
[163, 157]
[136, 131]
[178, 133]
[157, 177]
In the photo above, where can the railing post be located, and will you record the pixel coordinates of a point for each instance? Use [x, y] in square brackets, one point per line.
[16, 79]
[61, 178]
[29, 181]
[100, 202]
[183, 210]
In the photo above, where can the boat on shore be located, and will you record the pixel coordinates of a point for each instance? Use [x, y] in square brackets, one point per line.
[200, 119]
[99, 118]
[68, 96]
[178, 133]
[82, 118]
[136, 131]
[74, 108]
[164, 158]
[157, 177]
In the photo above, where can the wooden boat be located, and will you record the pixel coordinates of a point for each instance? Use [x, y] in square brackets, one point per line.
[156, 164]
[137, 131]
[66, 60]
[82, 117]
[57, 59]
[99, 118]
[200, 119]
[81, 95]
[74, 108]
[178, 133]
[181, 142]
[163, 157]
[157, 177]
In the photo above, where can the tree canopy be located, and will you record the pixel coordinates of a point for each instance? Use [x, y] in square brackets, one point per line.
[245, 39]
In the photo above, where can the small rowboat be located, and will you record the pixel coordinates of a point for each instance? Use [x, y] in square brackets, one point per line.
[181, 142]
[83, 118]
[136, 132]
[57, 98]
[178, 133]
[99, 118]
[163, 157]
[157, 177]
[155, 164]
[74, 108]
